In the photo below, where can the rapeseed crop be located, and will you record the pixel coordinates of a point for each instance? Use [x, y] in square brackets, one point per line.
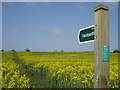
[52, 70]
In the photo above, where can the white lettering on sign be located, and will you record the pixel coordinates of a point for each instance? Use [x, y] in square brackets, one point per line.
[88, 35]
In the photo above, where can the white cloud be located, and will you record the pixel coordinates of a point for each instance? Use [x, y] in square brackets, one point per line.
[16, 30]
[83, 8]
[56, 31]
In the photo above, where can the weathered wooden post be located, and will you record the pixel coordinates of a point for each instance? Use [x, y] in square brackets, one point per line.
[101, 47]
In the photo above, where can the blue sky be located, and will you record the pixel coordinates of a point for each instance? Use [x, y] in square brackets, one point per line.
[0, 26]
[50, 26]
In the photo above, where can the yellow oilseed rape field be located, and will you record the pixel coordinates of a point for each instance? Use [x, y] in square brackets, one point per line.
[53, 70]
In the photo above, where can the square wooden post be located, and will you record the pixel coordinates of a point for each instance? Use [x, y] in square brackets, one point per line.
[101, 47]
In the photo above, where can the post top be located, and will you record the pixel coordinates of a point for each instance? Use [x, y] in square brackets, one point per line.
[103, 7]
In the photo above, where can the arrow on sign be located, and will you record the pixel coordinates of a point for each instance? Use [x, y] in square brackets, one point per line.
[86, 34]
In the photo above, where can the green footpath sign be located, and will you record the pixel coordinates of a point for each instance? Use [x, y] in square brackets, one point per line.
[105, 53]
[86, 35]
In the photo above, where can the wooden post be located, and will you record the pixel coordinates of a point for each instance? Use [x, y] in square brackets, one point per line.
[101, 47]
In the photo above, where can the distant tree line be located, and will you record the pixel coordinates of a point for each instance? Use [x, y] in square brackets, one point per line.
[58, 51]
[116, 51]
[13, 50]
[2, 50]
[28, 50]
